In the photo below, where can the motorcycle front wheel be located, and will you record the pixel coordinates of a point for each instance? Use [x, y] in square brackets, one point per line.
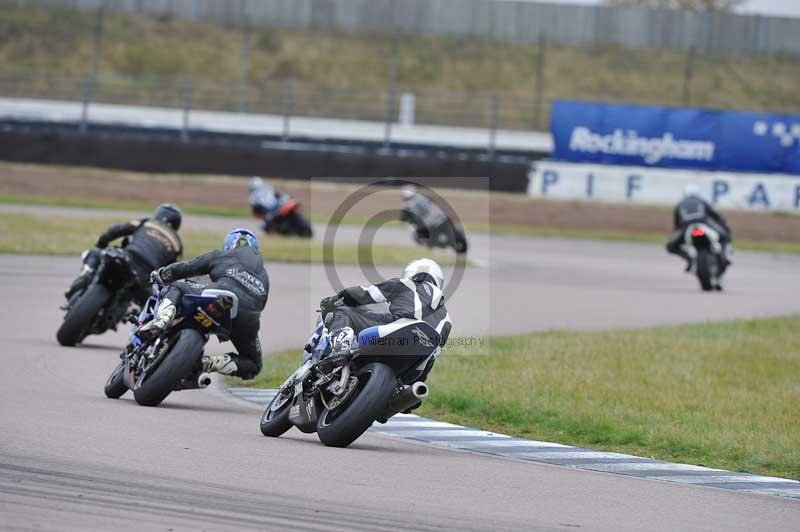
[79, 318]
[115, 385]
[175, 365]
[343, 425]
[275, 419]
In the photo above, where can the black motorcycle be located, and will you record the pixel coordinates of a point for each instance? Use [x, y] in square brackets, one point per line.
[155, 368]
[106, 300]
[433, 231]
[702, 243]
[340, 396]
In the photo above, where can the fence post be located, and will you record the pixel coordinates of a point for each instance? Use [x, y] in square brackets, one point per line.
[187, 106]
[391, 92]
[688, 73]
[495, 109]
[85, 99]
[97, 41]
[245, 57]
[539, 87]
[288, 104]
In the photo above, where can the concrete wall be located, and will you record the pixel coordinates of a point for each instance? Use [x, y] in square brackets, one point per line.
[497, 19]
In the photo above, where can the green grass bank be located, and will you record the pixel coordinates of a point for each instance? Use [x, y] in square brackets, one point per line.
[722, 395]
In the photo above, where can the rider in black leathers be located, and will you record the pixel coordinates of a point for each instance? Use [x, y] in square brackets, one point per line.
[150, 244]
[417, 294]
[239, 268]
[694, 209]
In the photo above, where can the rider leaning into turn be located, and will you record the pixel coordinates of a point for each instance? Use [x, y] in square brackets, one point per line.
[239, 268]
[417, 294]
[151, 243]
[694, 209]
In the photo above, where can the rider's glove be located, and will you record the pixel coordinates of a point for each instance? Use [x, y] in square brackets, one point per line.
[155, 277]
[328, 304]
[101, 243]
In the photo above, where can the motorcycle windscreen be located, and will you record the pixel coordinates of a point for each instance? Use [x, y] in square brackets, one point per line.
[401, 345]
[208, 313]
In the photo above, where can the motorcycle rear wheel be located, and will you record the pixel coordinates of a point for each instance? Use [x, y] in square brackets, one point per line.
[79, 318]
[704, 269]
[176, 365]
[343, 425]
[115, 385]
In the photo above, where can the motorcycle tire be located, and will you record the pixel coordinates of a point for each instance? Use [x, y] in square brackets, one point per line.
[176, 365]
[274, 424]
[342, 426]
[704, 269]
[301, 226]
[460, 241]
[115, 385]
[79, 318]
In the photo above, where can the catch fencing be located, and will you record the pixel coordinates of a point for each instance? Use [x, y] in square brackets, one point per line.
[520, 22]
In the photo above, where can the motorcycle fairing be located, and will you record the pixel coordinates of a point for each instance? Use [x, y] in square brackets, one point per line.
[213, 310]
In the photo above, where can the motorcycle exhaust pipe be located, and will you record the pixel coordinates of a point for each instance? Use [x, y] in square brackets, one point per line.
[407, 397]
[204, 380]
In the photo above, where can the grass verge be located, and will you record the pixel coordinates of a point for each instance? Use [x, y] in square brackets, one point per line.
[27, 234]
[545, 232]
[722, 395]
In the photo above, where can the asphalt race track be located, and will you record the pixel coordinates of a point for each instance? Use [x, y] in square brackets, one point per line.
[70, 459]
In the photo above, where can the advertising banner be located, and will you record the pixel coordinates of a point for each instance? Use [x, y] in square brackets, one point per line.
[632, 135]
[640, 185]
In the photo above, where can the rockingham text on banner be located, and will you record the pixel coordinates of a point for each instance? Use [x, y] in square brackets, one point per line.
[633, 135]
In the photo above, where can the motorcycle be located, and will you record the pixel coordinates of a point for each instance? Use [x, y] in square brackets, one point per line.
[702, 243]
[285, 220]
[340, 396]
[106, 301]
[153, 369]
[440, 232]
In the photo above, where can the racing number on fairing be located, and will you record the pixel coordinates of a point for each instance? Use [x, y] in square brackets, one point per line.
[213, 309]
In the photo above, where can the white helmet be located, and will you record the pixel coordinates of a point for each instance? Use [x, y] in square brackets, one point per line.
[255, 183]
[409, 191]
[426, 266]
[691, 190]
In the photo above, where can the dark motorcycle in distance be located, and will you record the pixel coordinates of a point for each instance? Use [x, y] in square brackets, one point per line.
[153, 369]
[340, 396]
[430, 226]
[106, 301]
[702, 243]
[286, 219]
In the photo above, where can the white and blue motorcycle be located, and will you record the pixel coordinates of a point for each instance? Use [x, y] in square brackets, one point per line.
[340, 396]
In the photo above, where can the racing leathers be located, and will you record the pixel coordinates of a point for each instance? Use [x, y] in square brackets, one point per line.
[149, 243]
[693, 209]
[266, 202]
[241, 271]
[401, 298]
[423, 214]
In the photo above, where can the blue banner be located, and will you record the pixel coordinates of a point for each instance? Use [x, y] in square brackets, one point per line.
[634, 135]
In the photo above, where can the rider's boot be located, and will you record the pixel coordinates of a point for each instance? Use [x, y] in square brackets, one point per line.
[223, 364]
[164, 316]
[80, 282]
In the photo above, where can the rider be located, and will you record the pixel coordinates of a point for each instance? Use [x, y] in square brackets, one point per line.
[151, 243]
[417, 294]
[694, 209]
[239, 268]
[265, 200]
[421, 212]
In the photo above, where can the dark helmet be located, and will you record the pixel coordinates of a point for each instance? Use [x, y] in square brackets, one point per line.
[169, 214]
